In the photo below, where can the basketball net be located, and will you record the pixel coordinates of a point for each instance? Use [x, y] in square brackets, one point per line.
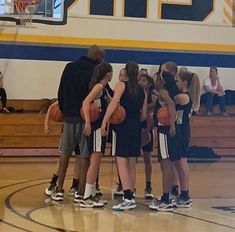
[26, 10]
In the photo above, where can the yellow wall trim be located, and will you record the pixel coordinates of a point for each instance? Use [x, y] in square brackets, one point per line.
[135, 44]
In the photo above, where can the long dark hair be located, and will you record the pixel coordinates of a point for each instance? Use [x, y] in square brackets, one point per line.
[132, 71]
[169, 83]
[150, 81]
[99, 73]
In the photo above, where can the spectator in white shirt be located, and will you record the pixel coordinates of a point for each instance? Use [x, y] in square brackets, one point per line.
[213, 87]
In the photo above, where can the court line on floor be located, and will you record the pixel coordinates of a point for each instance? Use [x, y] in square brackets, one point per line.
[17, 227]
[7, 202]
[13, 210]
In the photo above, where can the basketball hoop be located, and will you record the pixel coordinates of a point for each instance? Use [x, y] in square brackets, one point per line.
[26, 10]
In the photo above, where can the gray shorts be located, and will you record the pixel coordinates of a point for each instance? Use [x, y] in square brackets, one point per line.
[72, 135]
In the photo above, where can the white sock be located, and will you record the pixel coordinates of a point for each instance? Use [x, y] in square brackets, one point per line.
[88, 191]
[94, 190]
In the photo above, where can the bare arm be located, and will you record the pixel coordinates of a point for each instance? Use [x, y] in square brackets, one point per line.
[47, 118]
[119, 89]
[210, 90]
[182, 99]
[163, 94]
[95, 92]
[1, 81]
[144, 110]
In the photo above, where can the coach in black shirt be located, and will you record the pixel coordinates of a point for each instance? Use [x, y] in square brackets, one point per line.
[73, 89]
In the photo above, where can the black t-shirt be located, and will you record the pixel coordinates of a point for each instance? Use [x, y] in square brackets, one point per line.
[74, 87]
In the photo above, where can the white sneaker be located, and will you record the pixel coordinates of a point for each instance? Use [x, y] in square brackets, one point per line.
[161, 206]
[125, 205]
[90, 203]
[58, 196]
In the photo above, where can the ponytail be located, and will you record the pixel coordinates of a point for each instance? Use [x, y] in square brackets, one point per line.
[193, 87]
[132, 71]
[194, 92]
[99, 73]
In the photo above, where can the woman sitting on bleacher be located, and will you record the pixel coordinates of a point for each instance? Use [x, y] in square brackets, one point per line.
[3, 96]
[213, 87]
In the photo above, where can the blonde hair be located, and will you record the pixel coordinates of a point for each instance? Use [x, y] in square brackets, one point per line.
[194, 87]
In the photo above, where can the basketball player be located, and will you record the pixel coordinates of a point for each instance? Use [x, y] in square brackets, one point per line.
[167, 89]
[132, 97]
[147, 127]
[99, 95]
[172, 68]
[73, 89]
[189, 85]
[119, 191]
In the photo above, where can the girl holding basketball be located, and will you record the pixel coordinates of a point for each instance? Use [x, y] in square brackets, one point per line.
[99, 95]
[167, 90]
[189, 85]
[132, 97]
[147, 130]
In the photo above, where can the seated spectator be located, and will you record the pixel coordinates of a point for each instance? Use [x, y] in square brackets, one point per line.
[3, 96]
[213, 88]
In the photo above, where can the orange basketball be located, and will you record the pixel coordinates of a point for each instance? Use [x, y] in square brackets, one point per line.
[118, 115]
[55, 113]
[163, 116]
[94, 112]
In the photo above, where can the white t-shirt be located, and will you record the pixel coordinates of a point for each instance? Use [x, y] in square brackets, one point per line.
[207, 82]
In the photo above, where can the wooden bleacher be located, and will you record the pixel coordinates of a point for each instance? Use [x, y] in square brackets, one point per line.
[25, 130]
[216, 132]
[28, 105]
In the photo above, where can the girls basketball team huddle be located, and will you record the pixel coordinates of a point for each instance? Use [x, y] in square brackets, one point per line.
[159, 106]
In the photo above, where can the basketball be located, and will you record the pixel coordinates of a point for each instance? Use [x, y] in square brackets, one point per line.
[118, 115]
[163, 116]
[55, 113]
[94, 112]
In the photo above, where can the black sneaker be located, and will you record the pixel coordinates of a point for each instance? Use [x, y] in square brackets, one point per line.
[77, 197]
[73, 189]
[98, 191]
[148, 193]
[51, 189]
[161, 206]
[183, 203]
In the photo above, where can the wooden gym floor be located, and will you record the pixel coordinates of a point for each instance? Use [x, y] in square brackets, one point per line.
[25, 208]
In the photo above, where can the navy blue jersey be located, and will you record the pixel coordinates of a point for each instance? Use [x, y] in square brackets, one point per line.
[149, 101]
[183, 114]
[128, 133]
[102, 102]
[132, 103]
